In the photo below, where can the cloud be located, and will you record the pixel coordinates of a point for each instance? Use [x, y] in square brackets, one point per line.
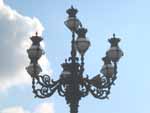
[17, 109]
[15, 30]
[1, 3]
[44, 108]
[41, 108]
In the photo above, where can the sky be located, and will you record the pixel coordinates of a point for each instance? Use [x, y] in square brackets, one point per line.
[129, 20]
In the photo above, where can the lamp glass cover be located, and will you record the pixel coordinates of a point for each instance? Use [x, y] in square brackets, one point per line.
[34, 69]
[35, 52]
[82, 44]
[107, 70]
[114, 53]
[72, 23]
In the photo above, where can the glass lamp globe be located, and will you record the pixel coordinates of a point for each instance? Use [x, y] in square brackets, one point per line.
[35, 52]
[114, 53]
[66, 73]
[107, 70]
[82, 43]
[34, 69]
[72, 23]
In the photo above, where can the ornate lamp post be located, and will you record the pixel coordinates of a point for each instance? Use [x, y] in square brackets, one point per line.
[72, 84]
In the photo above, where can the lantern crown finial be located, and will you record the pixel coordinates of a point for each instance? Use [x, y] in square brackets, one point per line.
[36, 34]
[82, 32]
[114, 41]
[36, 39]
[72, 11]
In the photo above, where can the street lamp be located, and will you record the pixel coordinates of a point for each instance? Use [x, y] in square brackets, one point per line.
[72, 84]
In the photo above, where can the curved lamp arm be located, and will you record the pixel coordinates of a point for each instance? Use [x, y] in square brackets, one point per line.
[99, 86]
[96, 89]
[43, 86]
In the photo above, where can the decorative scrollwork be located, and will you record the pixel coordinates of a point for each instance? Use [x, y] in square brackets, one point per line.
[44, 87]
[44, 91]
[109, 81]
[100, 93]
[84, 89]
[105, 81]
[46, 79]
[61, 90]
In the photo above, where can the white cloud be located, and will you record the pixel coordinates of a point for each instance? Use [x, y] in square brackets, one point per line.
[15, 30]
[41, 108]
[17, 109]
[44, 108]
[1, 3]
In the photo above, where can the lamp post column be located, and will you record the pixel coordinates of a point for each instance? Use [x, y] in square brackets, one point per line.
[74, 92]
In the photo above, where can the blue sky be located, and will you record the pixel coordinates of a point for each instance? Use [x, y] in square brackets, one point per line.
[130, 20]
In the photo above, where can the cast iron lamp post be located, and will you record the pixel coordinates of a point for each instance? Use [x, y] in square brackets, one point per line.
[72, 84]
